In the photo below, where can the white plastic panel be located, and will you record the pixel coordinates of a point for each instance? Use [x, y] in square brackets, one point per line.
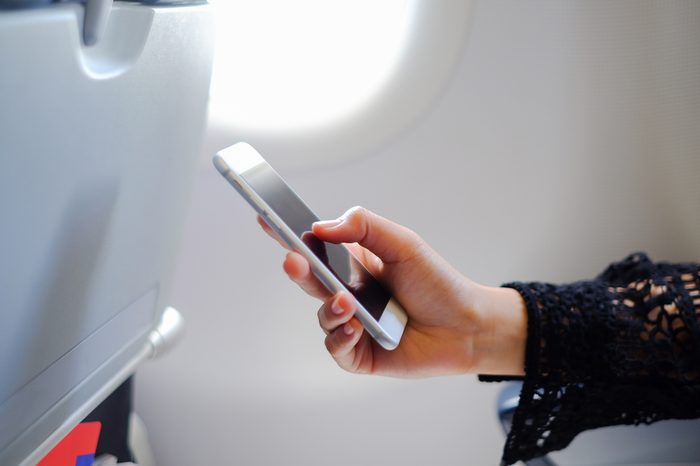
[97, 148]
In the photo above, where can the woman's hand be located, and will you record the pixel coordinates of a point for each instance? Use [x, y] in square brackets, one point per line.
[454, 325]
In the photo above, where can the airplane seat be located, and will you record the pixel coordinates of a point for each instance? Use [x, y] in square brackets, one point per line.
[102, 117]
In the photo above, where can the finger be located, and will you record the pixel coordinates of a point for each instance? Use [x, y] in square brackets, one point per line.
[268, 229]
[341, 343]
[390, 241]
[336, 311]
[299, 270]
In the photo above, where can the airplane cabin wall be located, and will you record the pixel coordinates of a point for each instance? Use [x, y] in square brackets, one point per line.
[566, 138]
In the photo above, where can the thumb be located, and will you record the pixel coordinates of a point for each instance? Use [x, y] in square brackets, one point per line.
[389, 241]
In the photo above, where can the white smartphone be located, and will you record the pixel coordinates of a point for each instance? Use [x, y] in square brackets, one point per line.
[265, 190]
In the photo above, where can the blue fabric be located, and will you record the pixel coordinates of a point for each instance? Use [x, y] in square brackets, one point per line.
[85, 460]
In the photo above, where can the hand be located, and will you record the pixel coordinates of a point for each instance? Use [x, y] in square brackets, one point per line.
[454, 324]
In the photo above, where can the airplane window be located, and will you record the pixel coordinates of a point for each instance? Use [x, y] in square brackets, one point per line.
[282, 65]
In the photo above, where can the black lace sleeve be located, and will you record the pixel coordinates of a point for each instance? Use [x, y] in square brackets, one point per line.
[621, 349]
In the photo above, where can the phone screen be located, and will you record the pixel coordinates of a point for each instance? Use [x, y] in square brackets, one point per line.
[280, 197]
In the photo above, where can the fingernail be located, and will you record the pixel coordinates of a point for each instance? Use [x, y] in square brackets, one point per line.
[329, 223]
[347, 328]
[336, 307]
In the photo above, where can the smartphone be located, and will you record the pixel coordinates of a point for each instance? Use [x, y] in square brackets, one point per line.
[333, 264]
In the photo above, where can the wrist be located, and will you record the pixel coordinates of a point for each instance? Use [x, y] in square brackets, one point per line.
[500, 345]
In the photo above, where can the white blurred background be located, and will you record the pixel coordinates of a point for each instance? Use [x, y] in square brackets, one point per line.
[524, 140]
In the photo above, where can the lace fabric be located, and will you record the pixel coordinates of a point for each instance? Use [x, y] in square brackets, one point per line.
[621, 349]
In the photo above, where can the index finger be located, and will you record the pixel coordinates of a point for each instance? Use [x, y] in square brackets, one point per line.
[299, 270]
[272, 233]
